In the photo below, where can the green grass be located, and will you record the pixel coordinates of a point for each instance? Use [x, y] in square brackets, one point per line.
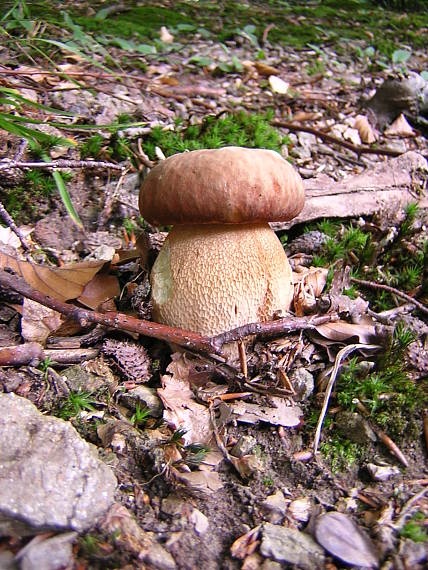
[340, 452]
[75, 403]
[414, 528]
[140, 416]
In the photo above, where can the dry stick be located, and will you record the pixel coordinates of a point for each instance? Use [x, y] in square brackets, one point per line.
[340, 356]
[136, 78]
[11, 224]
[385, 439]
[381, 286]
[330, 138]
[184, 338]
[5, 165]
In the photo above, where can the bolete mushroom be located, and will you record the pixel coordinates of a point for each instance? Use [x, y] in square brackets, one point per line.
[221, 265]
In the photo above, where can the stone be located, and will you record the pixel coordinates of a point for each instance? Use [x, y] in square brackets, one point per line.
[145, 397]
[80, 380]
[244, 446]
[291, 546]
[54, 553]
[275, 506]
[382, 472]
[50, 478]
[303, 383]
[355, 427]
[159, 558]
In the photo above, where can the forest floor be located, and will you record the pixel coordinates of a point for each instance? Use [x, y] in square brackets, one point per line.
[308, 452]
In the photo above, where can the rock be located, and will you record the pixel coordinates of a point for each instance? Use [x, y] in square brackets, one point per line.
[199, 521]
[80, 380]
[159, 558]
[302, 382]
[291, 546]
[271, 565]
[355, 427]
[275, 505]
[310, 242]
[382, 472]
[413, 552]
[50, 478]
[54, 553]
[244, 446]
[300, 509]
[145, 397]
[7, 560]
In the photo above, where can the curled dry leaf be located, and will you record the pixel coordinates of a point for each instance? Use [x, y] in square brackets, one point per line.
[245, 544]
[340, 331]
[265, 69]
[38, 321]
[62, 283]
[342, 538]
[400, 127]
[308, 285]
[367, 134]
[278, 85]
[181, 409]
[199, 481]
[166, 36]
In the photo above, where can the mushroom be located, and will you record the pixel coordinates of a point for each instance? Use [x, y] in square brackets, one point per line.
[221, 265]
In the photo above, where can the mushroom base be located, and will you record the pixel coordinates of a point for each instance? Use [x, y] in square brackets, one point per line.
[212, 278]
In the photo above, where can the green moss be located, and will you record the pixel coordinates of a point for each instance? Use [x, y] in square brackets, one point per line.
[414, 528]
[340, 452]
[237, 129]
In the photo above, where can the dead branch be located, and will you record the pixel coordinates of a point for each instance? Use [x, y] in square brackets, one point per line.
[186, 339]
[134, 78]
[6, 165]
[332, 139]
[373, 285]
[6, 217]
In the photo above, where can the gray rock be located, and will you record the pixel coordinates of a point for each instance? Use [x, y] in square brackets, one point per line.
[53, 553]
[145, 397]
[291, 546]
[78, 379]
[413, 552]
[159, 558]
[382, 472]
[275, 505]
[355, 427]
[303, 383]
[244, 446]
[50, 478]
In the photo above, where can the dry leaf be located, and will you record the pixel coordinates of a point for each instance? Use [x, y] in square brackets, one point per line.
[100, 289]
[38, 321]
[265, 69]
[199, 481]
[128, 535]
[400, 127]
[342, 538]
[181, 409]
[278, 85]
[8, 237]
[340, 331]
[245, 544]
[283, 414]
[301, 116]
[62, 283]
[367, 134]
[308, 286]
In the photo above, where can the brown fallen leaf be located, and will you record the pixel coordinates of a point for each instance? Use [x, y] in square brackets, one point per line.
[343, 538]
[181, 409]
[308, 286]
[265, 69]
[282, 413]
[38, 321]
[199, 481]
[340, 331]
[400, 127]
[246, 544]
[365, 130]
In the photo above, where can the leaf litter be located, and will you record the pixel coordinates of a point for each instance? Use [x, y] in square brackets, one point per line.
[157, 461]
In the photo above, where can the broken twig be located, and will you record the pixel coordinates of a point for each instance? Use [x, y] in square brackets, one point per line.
[186, 339]
[372, 285]
[332, 139]
[6, 165]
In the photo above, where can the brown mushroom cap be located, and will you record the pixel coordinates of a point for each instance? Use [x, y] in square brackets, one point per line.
[231, 185]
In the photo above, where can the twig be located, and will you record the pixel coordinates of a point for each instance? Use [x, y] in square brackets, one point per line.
[408, 507]
[135, 78]
[340, 356]
[393, 290]
[330, 138]
[385, 439]
[186, 339]
[6, 165]
[11, 224]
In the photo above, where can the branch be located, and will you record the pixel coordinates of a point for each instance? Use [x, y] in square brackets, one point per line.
[6, 165]
[371, 285]
[330, 138]
[186, 339]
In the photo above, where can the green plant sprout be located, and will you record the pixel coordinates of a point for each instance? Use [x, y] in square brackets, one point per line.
[75, 403]
[140, 416]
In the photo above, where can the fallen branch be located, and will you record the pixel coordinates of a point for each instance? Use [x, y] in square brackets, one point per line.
[373, 285]
[186, 339]
[7, 218]
[24, 72]
[6, 165]
[330, 138]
